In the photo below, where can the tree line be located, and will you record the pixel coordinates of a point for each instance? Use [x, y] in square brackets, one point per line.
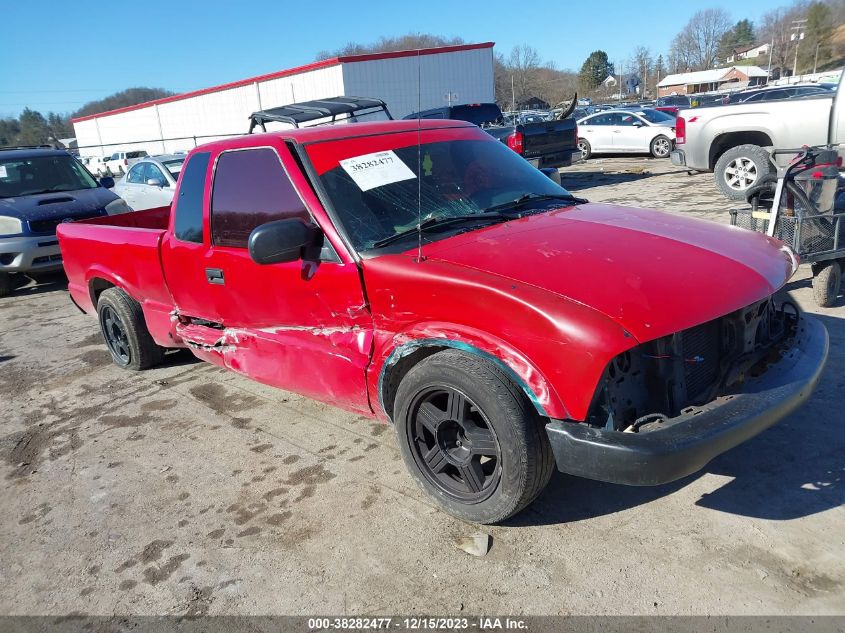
[710, 38]
[34, 128]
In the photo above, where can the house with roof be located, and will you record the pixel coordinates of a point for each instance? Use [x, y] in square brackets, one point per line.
[748, 52]
[714, 80]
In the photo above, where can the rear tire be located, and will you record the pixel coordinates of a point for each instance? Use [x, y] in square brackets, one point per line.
[661, 146]
[827, 281]
[739, 168]
[586, 149]
[470, 437]
[125, 331]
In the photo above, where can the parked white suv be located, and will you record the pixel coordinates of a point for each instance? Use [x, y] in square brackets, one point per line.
[120, 162]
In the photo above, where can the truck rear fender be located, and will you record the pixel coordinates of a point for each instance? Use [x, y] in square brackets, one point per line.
[156, 315]
[726, 141]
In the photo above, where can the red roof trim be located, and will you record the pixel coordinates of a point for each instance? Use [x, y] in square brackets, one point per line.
[414, 52]
[324, 63]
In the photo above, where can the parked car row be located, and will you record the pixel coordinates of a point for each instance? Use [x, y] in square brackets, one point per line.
[752, 94]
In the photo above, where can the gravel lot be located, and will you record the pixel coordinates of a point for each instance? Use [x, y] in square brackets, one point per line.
[189, 490]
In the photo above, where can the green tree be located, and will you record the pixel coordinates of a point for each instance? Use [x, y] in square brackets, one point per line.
[738, 36]
[34, 129]
[817, 38]
[744, 32]
[659, 69]
[594, 70]
[9, 130]
[122, 99]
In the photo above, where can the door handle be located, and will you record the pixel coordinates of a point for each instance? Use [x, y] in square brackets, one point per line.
[214, 276]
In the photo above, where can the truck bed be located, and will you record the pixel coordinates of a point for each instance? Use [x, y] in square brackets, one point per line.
[549, 143]
[119, 250]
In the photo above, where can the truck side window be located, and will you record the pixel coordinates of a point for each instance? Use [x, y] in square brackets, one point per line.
[188, 209]
[250, 188]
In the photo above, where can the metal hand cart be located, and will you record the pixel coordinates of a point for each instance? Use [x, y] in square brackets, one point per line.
[804, 207]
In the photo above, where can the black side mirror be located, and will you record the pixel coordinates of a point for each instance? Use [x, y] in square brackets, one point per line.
[281, 240]
[107, 182]
[552, 173]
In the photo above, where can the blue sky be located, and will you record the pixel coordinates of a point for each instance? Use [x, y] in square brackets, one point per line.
[61, 54]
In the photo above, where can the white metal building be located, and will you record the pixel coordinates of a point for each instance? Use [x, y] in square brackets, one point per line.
[406, 80]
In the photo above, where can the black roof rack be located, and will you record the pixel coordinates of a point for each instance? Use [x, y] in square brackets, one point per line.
[297, 113]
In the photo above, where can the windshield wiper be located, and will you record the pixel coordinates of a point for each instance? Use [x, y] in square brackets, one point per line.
[432, 222]
[534, 197]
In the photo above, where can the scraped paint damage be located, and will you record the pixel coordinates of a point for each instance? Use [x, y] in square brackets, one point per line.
[324, 363]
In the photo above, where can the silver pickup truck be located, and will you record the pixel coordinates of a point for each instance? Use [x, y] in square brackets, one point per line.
[729, 139]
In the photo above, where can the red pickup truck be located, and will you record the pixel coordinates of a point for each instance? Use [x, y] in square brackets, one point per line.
[423, 273]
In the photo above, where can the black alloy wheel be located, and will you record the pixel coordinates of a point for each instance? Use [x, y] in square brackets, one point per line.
[454, 445]
[115, 335]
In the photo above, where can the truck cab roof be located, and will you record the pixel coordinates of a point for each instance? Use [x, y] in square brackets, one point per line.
[321, 133]
[31, 151]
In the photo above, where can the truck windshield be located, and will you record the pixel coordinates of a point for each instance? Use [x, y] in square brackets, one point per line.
[375, 196]
[42, 174]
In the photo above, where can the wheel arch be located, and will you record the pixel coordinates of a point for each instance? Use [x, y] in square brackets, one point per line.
[728, 140]
[96, 287]
[406, 355]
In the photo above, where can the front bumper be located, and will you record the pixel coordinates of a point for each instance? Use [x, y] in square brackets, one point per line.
[688, 442]
[30, 254]
[678, 157]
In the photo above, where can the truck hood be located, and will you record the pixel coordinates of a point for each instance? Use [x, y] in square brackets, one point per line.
[652, 273]
[59, 204]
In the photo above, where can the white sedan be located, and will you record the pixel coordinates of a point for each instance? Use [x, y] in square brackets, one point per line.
[150, 182]
[644, 131]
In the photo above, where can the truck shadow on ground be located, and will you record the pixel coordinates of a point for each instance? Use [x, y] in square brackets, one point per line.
[576, 181]
[178, 357]
[45, 282]
[792, 470]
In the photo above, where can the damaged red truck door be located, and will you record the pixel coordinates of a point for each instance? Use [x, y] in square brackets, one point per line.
[422, 273]
[293, 324]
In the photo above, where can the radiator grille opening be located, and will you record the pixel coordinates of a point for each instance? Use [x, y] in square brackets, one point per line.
[702, 347]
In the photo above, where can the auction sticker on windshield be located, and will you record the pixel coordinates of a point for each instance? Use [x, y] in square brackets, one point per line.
[376, 170]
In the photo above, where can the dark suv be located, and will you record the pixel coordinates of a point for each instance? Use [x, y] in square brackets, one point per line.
[39, 188]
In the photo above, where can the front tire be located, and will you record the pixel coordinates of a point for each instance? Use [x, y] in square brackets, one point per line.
[827, 281]
[661, 146]
[125, 331]
[585, 147]
[740, 168]
[470, 437]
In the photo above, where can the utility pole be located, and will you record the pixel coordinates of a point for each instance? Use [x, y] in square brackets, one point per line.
[771, 52]
[797, 36]
[513, 96]
[621, 69]
[816, 59]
